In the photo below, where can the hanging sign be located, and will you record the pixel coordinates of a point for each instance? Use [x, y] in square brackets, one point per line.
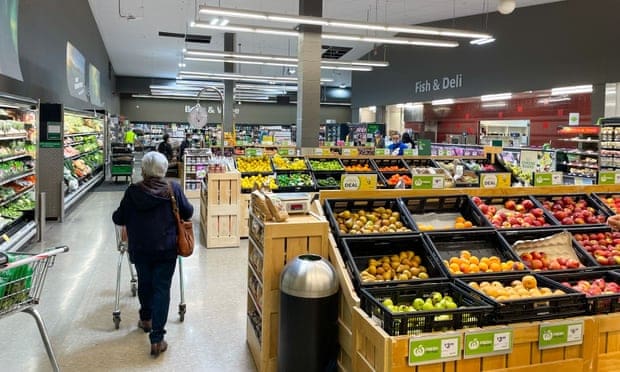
[573, 118]
[486, 343]
[560, 334]
[548, 178]
[434, 348]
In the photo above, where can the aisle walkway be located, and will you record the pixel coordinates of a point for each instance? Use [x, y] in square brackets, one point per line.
[78, 301]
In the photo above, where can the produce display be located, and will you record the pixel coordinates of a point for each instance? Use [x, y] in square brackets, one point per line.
[596, 287]
[466, 263]
[11, 211]
[94, 160]
[603, 246]
[613, 202]
[12, 148]
[379, 220]
[325, 165]
[477, 167]
[294, 180]
[404, 266]
[569, 211]
[70, 152]
[393, 168]
[327, 182]
[395, 178]
[459, 223]
[256, 164]
[436, 301]
[537, 260]
[358, 167]
[248, 182]
[512, 214]
[77, 124]
[527, 287]
[10, 168]
[281, 163]
[11, 128]
[80, 168]
[516, 170]
[6, 193]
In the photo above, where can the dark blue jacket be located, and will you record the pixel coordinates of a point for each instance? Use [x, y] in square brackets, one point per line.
[151, 226]
[400, 146]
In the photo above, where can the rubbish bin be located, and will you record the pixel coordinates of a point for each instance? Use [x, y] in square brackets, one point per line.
[308, 332]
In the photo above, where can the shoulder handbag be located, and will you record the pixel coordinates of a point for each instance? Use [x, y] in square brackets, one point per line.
[185, 229]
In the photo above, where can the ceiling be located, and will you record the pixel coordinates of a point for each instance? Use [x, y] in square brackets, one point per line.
[135, 49]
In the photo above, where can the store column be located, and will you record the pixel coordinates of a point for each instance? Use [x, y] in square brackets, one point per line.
[598, 101]
[229, 86]
[309, 77]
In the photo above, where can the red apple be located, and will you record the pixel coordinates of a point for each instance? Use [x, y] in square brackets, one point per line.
[510, 204]
[527, 204]
[476, 200]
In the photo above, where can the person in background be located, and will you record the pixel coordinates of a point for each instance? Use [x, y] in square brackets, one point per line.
[130, 138]
[614, 222]
[165, 148]
[379, 140]
[187, 143]
[146, 212]
[407, 140]
[397, 147]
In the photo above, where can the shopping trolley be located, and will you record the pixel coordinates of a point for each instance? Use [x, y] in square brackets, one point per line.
[122, 246]
[21, 283]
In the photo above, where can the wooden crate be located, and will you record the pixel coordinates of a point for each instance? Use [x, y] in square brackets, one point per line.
[278, 243]
[608, 343]
[220, 210]
[244, 213]
[376, 351]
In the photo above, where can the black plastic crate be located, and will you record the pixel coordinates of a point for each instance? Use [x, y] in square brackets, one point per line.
[597, 210]
[584, 258]
[333, 207]
[499, 203]
[291, 159]
[602, 303]
[318, 176]
[569, 304]
[591, 250]
[413, 163]
[358, 251]
[358, 162]
[452, 204]
[393, 162]
[338, 167]
[254, 173]
[249, 190]
[604, 204]
[292, 176]
[471, 311]
[479, 243]
[475, 178]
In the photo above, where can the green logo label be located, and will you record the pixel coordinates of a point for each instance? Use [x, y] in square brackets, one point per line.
[608, 178]
[560, 334]
[434, 349]
[425, 182]
[483, 343]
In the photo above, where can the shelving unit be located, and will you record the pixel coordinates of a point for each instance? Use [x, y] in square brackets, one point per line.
[610, 144]
[72, 157]
[250, 134]
[271, 245]
[18, 181]
[510, 132]
[581, 163]
[195, 166]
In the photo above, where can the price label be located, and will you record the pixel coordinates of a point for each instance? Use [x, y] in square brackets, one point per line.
[608, 178]
[425, 182]
[330, 143]
[254, 152]
[435, 349]
[321, 151]
[380, 152]
[350, 151]
[560, 334]
[424, 147]
[355, 182]
[484, 343]
[349, 144]
[408, 152]
[494, 180]
[286, 152]
[548, 178]
[458, 171]
[493, 149]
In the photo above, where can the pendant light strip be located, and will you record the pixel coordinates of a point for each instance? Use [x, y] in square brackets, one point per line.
[281, 64]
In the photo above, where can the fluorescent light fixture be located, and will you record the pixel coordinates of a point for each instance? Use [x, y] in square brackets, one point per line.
[342, 86]
[214, 21]
[495, 104]
[347, 68]
[372, 108]
[238, 28]
[571, 90]
[240, 77]
[552, 100]
[495, 97]
[224, 22]
[284, 64]
[182, 65]
[446, 101]
[483, 41]
[339, 23]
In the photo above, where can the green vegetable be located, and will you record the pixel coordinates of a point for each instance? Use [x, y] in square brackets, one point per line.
[294, 179]
[326, 165]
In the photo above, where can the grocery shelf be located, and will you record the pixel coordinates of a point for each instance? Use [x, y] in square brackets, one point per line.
[16, 195]
[73, 197]
[584, 140]
[82, 134]
[84, 153]
[16, 177]
[16, 156]
[8, 138]
[581, 165]
[20, 238]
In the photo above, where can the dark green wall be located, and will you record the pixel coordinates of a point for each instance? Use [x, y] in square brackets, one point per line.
[45, 26]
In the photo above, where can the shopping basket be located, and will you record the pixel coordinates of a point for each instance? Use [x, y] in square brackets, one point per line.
[122, 247]
[21, 283]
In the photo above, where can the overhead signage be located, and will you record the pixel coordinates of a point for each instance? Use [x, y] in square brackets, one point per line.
[494, 180]
[486, 343]
[560, 334]
[356, 182]
[434, 348]
[439, 84]
[548, 178]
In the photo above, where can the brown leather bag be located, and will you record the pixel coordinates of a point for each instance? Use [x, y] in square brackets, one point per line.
[185, 229]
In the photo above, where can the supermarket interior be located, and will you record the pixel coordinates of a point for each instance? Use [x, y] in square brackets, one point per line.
[377, 185]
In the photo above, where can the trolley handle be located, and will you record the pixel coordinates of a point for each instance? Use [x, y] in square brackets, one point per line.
[37, 257]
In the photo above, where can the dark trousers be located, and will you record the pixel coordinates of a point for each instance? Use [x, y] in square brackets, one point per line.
[154, 280]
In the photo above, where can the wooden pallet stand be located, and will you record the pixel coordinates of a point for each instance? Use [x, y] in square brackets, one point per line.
[220, 210]
[244, 214]
[275, 244]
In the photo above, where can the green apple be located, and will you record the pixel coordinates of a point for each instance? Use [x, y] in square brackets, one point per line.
[436, 297]
[450, 305]
[388, 302]
[428, 305]
[418, 303]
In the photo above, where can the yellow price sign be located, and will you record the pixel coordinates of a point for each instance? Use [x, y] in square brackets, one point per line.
[356, 182]
[350, 151]
[494, 180]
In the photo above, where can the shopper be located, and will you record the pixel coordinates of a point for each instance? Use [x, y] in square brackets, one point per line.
[187, 143]
[146, 212]
[614, 222]
[396, 147]
[165, 148]
[407, 140]
[379, 140]
[130, 138]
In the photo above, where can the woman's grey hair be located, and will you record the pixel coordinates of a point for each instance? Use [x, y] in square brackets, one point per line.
[154, 164]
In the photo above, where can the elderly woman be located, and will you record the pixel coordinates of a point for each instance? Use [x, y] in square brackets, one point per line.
[146, 211]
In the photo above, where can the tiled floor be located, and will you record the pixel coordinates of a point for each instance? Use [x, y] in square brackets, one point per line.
[78, 300]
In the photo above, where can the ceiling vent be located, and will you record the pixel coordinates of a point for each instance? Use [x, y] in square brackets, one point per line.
[189, 38]
[334, 52]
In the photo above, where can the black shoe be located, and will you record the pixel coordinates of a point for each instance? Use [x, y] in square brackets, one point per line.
[158, 347]
[145, 325]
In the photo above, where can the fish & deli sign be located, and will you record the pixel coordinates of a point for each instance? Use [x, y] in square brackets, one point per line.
[443, 83]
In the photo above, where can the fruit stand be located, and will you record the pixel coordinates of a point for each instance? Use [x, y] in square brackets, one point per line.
[367, 346]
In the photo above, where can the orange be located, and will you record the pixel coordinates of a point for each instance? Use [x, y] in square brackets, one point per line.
[464, 268]
[473, 268]
[484, 260]
[459, 225]
[483, 266]
[455, 260]
[468, 224]
[495, 267]
[460, 219]
[474, 260]
[529, 282]
[465, 254]
[454, 267]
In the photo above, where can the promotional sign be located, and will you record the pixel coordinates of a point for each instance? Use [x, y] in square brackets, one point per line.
[350, 151]
[355, 182]
[330, 143]
[321, 151]
[254, 152]
[548, 178]
[286, 152]
[267, 140]
[528, 161]
[484, 343]
[573, 118]
[560, 334]
[497, 143]
[425, 182]
[494, 180]
[380, 152]
[424, 147]
[609, 178]
[434, 348]
[409, 152]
